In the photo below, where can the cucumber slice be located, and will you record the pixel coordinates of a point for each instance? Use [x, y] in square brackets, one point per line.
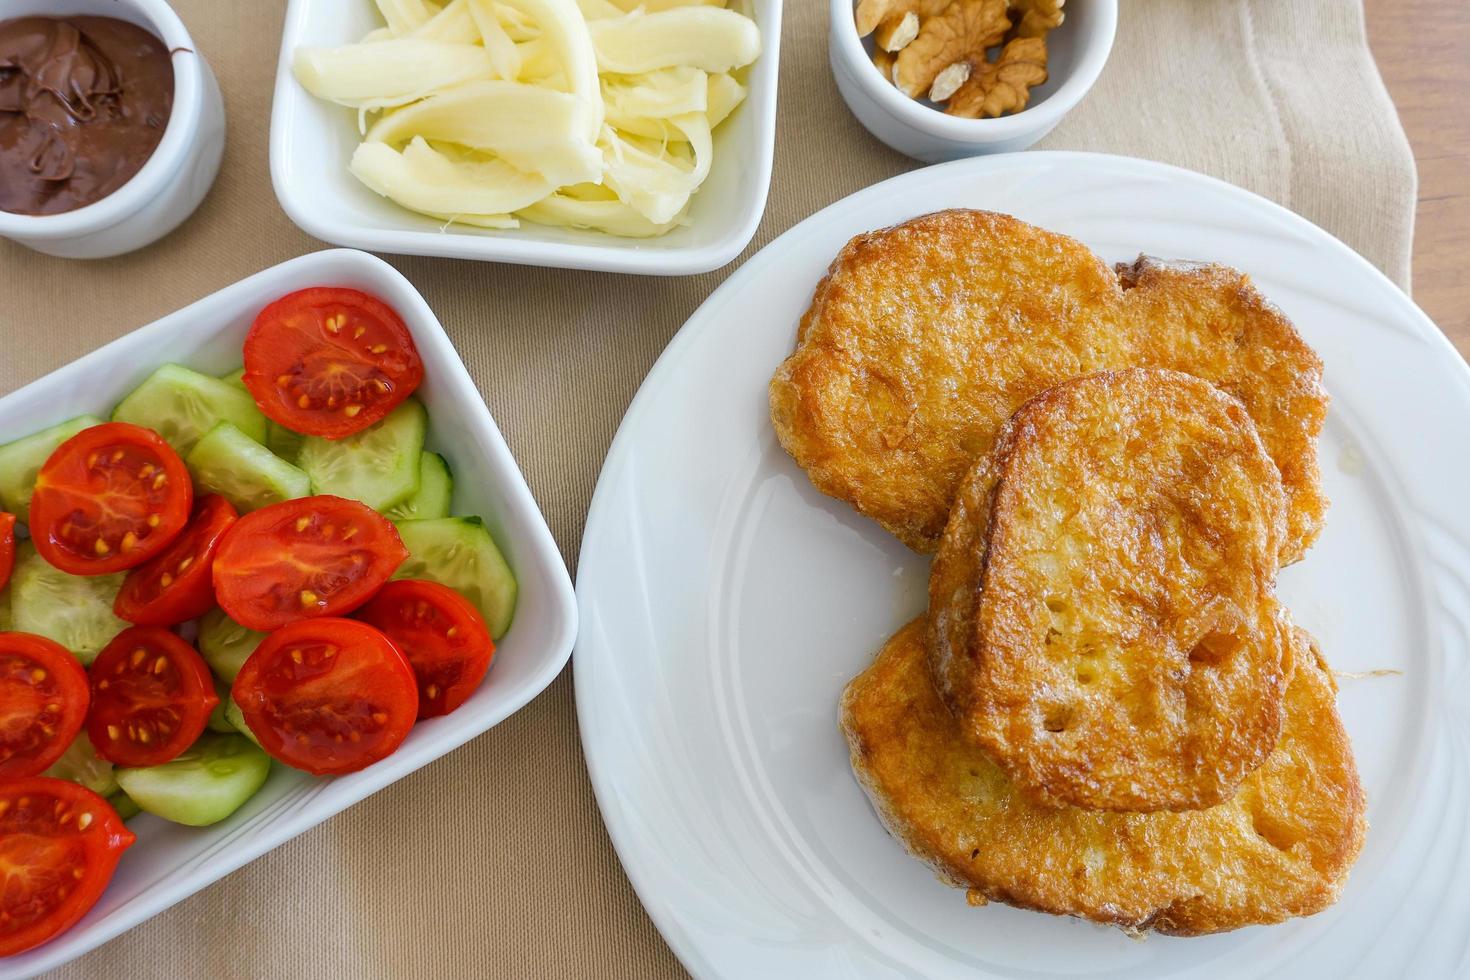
[225, 644]
[182, 405]
[379, 465]
[436, 486]
[282, 441]
[278, 439]
[124, 805]
[237, 718]
[73, 610]
[459, 552]
[219, 720]
[80, 764]
[207, 783]
[21, 460]
[6, 621]
[228, 462]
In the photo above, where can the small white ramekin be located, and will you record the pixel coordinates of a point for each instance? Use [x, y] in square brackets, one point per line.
[176, 177]
[1076, 52]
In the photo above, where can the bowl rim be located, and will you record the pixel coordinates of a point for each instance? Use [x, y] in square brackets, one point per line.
[151, 181]
[847, 45]
[525, 249]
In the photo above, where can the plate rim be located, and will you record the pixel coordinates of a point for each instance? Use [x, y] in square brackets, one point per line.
[690, 956]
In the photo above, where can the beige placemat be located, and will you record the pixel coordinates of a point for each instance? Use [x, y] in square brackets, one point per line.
[494, 861]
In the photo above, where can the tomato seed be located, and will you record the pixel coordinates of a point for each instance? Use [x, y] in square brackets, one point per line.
[351, 411]
[153, 520]
[38, 675]
[129, 541]
[165, 580]
[101, 547]
[358, 332]
[160, 664]
[303, 402]
[113, 733]
[139, 655]
[84, 821]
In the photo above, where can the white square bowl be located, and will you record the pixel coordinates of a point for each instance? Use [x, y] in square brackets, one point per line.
[170, 862]
[312, 141]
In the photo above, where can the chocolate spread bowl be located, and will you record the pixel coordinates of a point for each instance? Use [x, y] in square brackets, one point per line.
[178, 173]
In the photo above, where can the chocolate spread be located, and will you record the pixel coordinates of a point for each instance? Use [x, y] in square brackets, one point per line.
[83, 105]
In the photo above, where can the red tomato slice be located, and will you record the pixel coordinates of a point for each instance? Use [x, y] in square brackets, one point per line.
[151, 697]
[109, 498]
[59, 844]
[7, 547]
[327, 695]
[43, 701]
[304, 558]
[441, 633]
[178, 585]
[330, 362]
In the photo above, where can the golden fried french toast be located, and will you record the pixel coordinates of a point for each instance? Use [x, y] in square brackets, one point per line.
[1281, 847]
[1102, 618]
[923, 338]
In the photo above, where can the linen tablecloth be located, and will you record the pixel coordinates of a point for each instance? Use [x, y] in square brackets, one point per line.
[493, 861]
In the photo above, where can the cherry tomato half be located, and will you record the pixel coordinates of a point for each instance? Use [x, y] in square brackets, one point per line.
[330, 362]
[303, 558]
[59, 844]
[43, 701]
[7, 547]
[109, 498]
[441, 633]
[151, 697]
[178, 584]
[327, 695]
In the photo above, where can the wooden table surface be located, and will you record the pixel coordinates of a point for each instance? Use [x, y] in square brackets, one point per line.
[1423, 51]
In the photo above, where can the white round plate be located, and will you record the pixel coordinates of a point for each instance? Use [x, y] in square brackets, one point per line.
[725, 604]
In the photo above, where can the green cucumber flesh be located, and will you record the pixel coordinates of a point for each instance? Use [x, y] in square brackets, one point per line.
[459, 552]
[124, 805]
[219, 719]
[21, 460]
[378, 466]
[436, 486]
[283, 442]
[236, 717]
[225, 644]
[182, 405]
[228, 462]
[73, 610]
[80, 764]
[205, 784]
[278, 439]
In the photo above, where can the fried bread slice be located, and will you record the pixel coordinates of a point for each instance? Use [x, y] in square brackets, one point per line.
[923, 338]
[1281, 847]
[1102, 616]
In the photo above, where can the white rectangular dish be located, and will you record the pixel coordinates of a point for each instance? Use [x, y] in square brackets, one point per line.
[312, 142]
[170, 862]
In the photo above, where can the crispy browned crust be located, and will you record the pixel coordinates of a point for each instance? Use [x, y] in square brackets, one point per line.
[923, 338]
[1281, 847]
[1102, 619]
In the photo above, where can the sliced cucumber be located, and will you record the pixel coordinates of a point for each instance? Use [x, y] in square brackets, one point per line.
[459, 552]
[436, 486]
[225, 644]
[124, 805]
[207, 783]
[80, 764]
[283, 442]
[379, 465]
[278, 439]
[73, 610]
[6, 621]
[228, 462]
[236, 717]
[182, 405]
[219, 720]
[21, 460]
